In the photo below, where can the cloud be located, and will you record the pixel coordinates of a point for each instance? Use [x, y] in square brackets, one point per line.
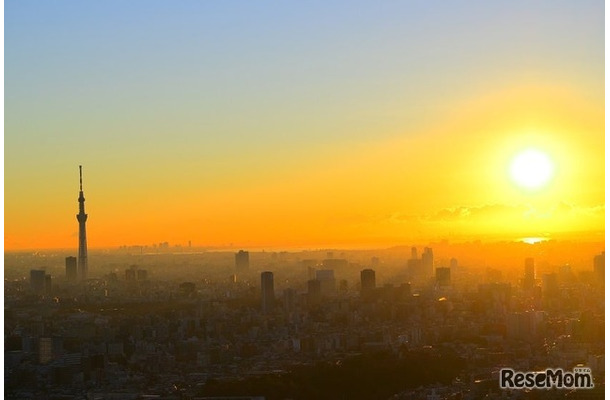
[470, 213]
[490, 211]
[593, 211]
[401, 218]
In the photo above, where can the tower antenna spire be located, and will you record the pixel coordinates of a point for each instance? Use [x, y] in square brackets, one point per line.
[82, 229]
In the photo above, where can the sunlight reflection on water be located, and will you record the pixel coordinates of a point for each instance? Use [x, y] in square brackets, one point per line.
[533, 240]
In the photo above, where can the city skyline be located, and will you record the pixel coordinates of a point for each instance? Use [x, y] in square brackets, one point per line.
[297, 126]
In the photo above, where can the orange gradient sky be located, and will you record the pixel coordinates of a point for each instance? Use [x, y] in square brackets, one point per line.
[367, 128]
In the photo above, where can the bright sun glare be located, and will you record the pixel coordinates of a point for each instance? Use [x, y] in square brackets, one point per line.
[531, 169]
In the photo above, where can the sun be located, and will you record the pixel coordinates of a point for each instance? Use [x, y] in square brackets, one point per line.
[531, 169]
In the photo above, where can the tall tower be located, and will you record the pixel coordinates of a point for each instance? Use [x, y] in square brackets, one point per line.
[82, 230]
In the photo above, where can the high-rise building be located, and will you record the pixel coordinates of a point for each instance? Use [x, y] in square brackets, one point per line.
[443, 276]
[242, 260]
[529, 277]
[71, 273]
[83, 267]
[130, 274]
[550, 290]
[427, 260]
[367, 282]
[48, 284]
[267, 292]
[37, 280]
[599, 266]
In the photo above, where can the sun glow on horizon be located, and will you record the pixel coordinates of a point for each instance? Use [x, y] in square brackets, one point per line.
[533, 240]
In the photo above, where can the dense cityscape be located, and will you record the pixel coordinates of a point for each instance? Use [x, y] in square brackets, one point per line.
[400, 323]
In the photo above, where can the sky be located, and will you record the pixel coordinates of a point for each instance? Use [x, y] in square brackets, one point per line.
[279, 124]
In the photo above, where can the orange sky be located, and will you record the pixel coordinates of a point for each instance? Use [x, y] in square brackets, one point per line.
[447, 182]
[371, 126]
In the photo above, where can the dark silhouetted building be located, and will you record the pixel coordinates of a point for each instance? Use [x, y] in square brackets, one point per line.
[83, 267]
[130, 274]
[37, 280]
[529, 277]
[427, 260]
[443, 276]
[550, 290]
[71, 273]
[242, 260]
[367, 282]
[267, 292]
